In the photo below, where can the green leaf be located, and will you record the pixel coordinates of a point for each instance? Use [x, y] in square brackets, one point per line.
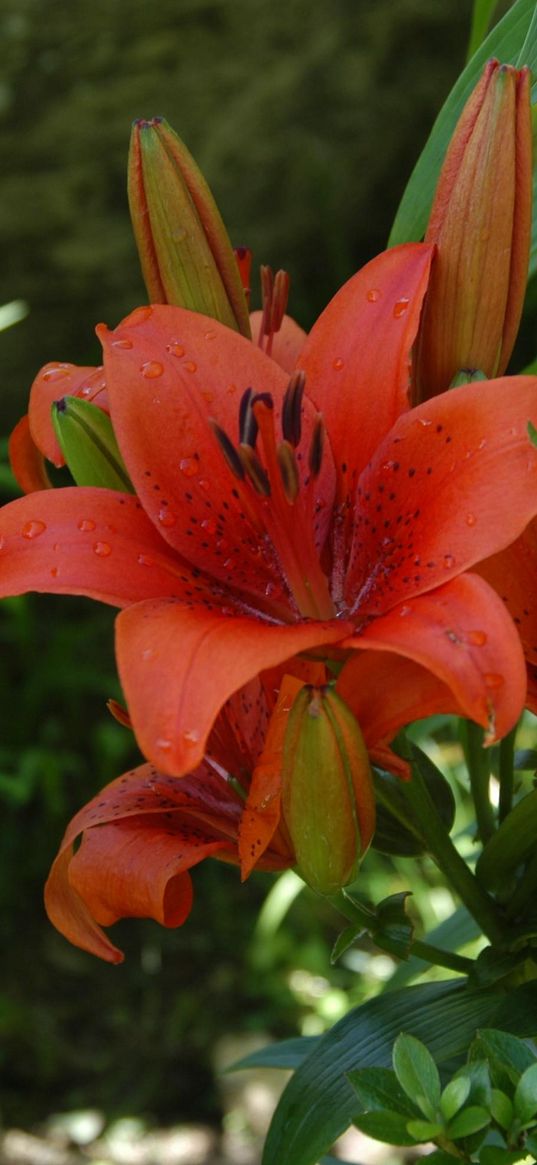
[285, 1054]
[451, 934]
[510, 845]
[454, 1095]
[470, 1120]
[424, 1130]
[417, 1073]
[491, 1155]
[397, 832]
[319, 1102]
[438, 1158]
[504, 1052]
[526, 1095]
[477, 1072]
[492, 965]
[481, 19]
[501, 1108]
[378, 1088]
[345, 940]
[505, 41]
[386, 1126]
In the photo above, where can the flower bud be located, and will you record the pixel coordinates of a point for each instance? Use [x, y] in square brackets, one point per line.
[481, 224]
[184, 249]
[88, 443]
[327, 794]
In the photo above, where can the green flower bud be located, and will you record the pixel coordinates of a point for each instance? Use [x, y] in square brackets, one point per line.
[88, 444]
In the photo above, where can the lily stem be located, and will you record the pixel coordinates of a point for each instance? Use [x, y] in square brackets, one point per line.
[366, 918]
[448, 858]
[479, 771]
[506, 774]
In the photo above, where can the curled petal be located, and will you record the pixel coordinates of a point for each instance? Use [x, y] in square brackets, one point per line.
[51, 383]
[513, 574]
[26, 460]
[462, 633]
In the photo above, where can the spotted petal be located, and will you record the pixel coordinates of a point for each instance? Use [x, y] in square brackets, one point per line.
[462, 633]
[513, 574]
[178, 665]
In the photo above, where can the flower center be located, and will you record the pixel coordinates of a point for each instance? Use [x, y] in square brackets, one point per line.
[279, 503]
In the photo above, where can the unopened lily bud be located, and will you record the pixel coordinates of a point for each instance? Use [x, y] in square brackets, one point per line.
[327, 795]
[481, 224]
[184, 249]
[88, 443]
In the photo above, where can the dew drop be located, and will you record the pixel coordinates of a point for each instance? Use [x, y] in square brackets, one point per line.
[400, 307]
[209, 525]
[87, 391]
[2, 541]
[405, 611]
[146, 560]
[269, 589]
[163, 744]
[424, 422]
[373, 295]
[86, 525]
[102, 549]
[208, 396]
[229, 563]
[231, 388]
[55, 374]
[204, 484]
[148, 653]
[152, 369]
[338, 363]
[56, 546]
[449, 561]
[190, 366]
[188, 466]
[33, 529]
[54, 571]
[139, 316]
[179, 235]
[192, 736]
[210, 335]
[471, 519]
[223, 545]
[124, 344]
[493, 679]
[477, 638]
[175, 349]
[166, 518]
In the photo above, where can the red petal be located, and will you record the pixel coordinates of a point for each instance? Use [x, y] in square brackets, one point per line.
[51, 383]
[513, 574]
[387, 692]
[178, 666]
[462, 633]
[27, 463]
[135, 867]
[356, 357]
[455, 481]
[180, 370]
[287, 344]
[87, 541]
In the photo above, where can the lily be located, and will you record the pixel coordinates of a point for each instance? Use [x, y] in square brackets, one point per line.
[278, 517]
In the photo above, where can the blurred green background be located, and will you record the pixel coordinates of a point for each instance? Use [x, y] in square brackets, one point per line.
[306, 119]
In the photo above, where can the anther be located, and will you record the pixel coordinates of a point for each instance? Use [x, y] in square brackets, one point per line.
[288, 471]
[280, 296]
[254, 471]
[292, 409]
[243, 256]
[315, 459]
[228, 449]
[263, 398]
[248, 426]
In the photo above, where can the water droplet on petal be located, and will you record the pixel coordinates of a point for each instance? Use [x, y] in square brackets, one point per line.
[188, 466]
[493, 679]
[179, 235]
[208, 396]
[231, 388]
[209, 525]
[203, 483]
[192, 736]
[400, 307]
[424, 422]
[373, 295]
[33, 529]
[54, 571]
[102, 549]
[2, 541]
[152, 369]
[175, 348]
[148, 653]
[125, 344]
[269, 589]
[55, 374]
[139, 316]
[477, 638]
[405, 610]
[338, 363]
[471, 519]
[210, 335]
[163, 744]
[166, 518]
[146, 560]
[190, 366]
[86, 525]
[449, 561]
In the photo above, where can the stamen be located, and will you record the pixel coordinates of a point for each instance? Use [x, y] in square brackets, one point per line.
[248, 426]
[280, 296]
[254, 470]
[228, 449]
[243, 256]
[288, 467]
[315, 458]
[274, 295]
[292, 409]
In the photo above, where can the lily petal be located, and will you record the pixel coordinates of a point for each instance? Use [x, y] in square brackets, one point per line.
[462, 633]
[356, 357]
[169, 371]
[52, 382]
[454, 482]
[26, 460]
[87, 541]
[287, 343]
[178, 665]
[513, 574]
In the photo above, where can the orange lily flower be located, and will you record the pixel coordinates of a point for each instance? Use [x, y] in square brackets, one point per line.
[354, 529]
[513, 574]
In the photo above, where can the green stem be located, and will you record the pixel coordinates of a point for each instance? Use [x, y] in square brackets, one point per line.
[448, 858]
[525, 891]
[367, 919]
[479, 771]
[506, 774]
[441, 958]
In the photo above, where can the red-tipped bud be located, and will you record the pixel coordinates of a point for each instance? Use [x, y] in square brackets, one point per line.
[184, 249]
[481, 224]
[327, 795]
